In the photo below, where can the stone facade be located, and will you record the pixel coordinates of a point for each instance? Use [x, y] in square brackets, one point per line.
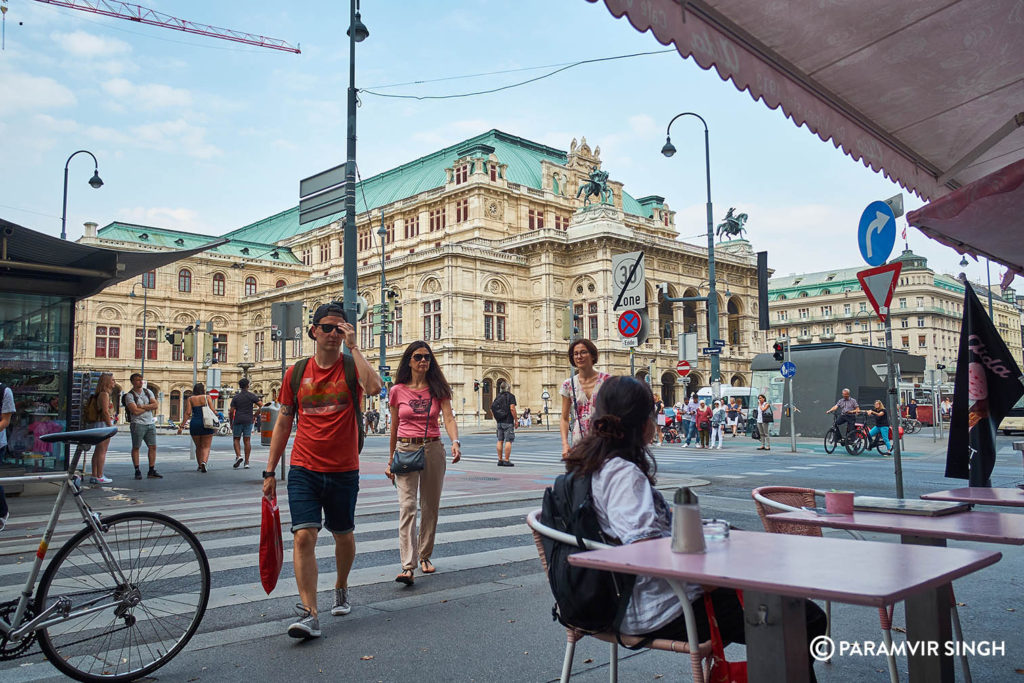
[484, 268]
[927, 310]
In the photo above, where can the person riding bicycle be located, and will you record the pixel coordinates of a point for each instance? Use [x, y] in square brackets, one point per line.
[881, 416]
[847, 408]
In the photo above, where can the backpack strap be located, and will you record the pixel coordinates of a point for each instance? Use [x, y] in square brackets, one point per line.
[353, 390]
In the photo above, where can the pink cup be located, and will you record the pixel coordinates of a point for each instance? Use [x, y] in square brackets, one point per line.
[839, 502]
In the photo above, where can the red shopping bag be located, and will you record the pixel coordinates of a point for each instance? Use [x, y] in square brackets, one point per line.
[271, 545]
[721, 671]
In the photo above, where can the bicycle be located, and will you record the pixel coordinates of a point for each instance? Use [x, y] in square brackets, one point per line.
[910, 425]
[866, 442]
[834, 436]
[120, 598]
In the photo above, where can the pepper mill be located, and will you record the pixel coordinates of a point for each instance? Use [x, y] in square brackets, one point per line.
[687, 528]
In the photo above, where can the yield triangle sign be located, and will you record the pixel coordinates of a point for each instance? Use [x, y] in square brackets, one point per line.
[879, 284]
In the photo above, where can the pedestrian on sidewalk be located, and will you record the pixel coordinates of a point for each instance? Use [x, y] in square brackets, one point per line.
[764, 422]
[99, 412]
[578, 393]
[240, 411]
[202, 436]
[659, 408]
[689, 417]
[140, 404]
[703, 422]
[7, 410]
[503, 410]
[421, 394]
[629, 508]
[732, 415]
[718, 417]
[323, 480]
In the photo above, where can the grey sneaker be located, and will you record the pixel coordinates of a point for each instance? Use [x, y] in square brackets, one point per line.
[308, 626]
[341, 606]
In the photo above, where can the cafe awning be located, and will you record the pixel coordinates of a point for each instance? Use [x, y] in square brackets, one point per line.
[930, 93]
[34, 263]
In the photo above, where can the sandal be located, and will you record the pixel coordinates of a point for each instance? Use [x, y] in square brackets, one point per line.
[427, 567]
[405, 577]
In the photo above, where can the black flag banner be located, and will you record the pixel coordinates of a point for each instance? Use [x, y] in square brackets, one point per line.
[988, 383]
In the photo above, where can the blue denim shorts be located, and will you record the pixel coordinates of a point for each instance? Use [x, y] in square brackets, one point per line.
[241, 429]
[334, 493]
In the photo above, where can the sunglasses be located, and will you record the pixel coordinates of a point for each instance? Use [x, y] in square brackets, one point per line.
[420, 357]
[329, 327]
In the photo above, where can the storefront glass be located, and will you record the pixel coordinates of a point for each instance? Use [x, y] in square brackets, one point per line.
[35, 352]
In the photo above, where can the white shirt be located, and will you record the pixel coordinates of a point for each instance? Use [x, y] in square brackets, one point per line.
[630, 509]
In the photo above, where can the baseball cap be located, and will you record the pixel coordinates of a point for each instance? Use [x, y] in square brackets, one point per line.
[324, 310]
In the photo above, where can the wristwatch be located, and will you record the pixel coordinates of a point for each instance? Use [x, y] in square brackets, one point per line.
[456, 442]
[268, 474]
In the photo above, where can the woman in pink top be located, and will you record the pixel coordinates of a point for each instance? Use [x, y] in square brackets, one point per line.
[419, 396]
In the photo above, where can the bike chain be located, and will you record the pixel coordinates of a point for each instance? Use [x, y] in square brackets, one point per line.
[21, 650]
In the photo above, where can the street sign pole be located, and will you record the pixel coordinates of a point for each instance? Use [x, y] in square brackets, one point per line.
[789, 381]
[632, 362]
[892, 405]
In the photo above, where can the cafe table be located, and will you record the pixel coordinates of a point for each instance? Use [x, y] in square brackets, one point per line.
[776, 571]
[980, 495]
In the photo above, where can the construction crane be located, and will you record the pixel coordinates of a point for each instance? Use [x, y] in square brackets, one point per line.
[143, 15]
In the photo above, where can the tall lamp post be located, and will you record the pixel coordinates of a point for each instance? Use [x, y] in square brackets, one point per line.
[357, 33]
[668, 150]
[145, 312]
[95, 182]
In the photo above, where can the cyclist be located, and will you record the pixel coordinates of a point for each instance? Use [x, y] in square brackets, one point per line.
[881, 416]
[847, 408]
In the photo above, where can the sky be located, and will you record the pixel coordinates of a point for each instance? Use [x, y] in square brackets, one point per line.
[206, 135]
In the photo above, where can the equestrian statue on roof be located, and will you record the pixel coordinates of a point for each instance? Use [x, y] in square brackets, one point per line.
[732, 226]
[597, 186]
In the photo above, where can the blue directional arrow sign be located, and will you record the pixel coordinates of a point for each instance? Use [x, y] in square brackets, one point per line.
[788, 369]
[876, 233]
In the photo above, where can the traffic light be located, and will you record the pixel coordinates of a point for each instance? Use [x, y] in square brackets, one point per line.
[207, 346]
[476, 385]
[188, 344]
[779, 352]
[215, 338]
[570, 322]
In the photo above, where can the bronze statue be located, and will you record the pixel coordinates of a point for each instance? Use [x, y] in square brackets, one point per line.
[732, 226]
[597, 186]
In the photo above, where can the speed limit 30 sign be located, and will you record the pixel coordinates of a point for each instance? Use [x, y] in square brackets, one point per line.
[628, 278]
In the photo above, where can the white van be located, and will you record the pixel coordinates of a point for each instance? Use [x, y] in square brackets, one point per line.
[747, 396]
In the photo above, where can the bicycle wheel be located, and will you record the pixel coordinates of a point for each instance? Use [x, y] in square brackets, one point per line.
[150, 617]
[831, 439]
[880, 444]
[915, 426]
[855, 442]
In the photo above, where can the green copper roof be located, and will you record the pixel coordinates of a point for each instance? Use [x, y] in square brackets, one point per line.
[173, 239]
[523, 159]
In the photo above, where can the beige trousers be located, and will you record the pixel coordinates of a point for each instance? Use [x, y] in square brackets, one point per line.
[427, 483]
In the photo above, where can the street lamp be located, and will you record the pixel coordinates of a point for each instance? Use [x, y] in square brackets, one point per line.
[668, 150]
[95, 182]
[988, 274]
[145, 311]
[357, 33]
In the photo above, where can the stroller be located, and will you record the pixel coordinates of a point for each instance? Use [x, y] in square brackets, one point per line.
[670, 434]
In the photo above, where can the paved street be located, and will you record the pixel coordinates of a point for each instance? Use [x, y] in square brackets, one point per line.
[485, 615]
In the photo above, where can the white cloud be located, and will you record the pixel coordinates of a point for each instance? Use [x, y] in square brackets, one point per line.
[23, 92]
[88, 45]
[176, 136]
[162, 217]
[147, 96]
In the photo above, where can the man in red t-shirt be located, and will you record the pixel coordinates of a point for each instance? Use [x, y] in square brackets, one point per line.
[324, 473]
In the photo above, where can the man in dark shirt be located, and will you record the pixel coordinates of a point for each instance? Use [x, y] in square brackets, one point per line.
[241, 413]
[912, 409]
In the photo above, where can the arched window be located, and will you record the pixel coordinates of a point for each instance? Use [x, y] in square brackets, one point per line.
[218, 284]
[184, 280]
[250, 286]
[280, 283]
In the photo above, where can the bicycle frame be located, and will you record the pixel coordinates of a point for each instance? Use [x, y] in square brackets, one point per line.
[70, 484]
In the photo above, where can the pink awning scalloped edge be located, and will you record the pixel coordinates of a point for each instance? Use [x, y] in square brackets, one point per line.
[982, 218]
[733, 60]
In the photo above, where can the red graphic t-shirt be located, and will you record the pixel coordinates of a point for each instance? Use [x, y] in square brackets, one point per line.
[327, 439]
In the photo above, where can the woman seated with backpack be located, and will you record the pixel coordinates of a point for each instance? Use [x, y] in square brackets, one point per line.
[630, 510]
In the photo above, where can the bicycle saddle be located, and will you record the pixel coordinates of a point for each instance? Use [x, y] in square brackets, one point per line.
[90, 437]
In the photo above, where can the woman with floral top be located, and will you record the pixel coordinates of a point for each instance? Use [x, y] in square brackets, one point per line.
[578, 393]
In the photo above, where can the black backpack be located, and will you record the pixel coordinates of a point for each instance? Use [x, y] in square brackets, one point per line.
[353, 390]
[499, 408]
[588, 599]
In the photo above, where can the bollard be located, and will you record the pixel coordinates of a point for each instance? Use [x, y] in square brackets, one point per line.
[268, 415]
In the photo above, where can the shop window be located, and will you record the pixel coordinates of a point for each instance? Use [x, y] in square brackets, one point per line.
[218, 284]
[184, 280]
[108, 342]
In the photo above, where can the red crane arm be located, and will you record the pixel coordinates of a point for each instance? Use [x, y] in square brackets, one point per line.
[124, 10]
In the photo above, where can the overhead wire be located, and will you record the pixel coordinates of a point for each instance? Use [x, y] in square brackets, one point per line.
[566, 67]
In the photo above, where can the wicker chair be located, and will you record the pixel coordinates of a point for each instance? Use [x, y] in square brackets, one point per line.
[698, 652]
[772, 500]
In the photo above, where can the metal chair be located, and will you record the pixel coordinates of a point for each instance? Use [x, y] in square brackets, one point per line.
[772, 500]
[698, 651]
